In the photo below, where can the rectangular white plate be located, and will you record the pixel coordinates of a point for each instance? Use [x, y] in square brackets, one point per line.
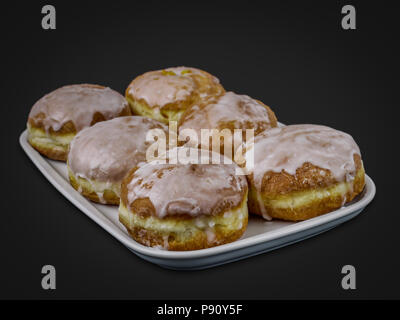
[260, 236]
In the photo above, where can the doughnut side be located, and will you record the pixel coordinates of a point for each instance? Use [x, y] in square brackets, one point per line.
[170, 112]
[54, 144]
[181, 234]
[97, 191]
[304, 196]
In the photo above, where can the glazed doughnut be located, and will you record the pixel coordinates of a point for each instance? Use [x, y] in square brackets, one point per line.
[228, 111]
[100, 156]
[302, 171]
[165, 94]
[55, 119]
[184, 206]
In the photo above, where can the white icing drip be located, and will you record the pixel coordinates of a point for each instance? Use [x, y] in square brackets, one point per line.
[108, 150]
[177, 189]
[264, 213]
[210, 235]
[77, 103]
[166, 243]
[100, 195]
[227, 214]
[289, 147]
[162, 87]
[199, 223]
[344, 199]
[159, 247]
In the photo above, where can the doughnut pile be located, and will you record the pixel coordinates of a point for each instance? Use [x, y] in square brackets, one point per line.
[194, 193]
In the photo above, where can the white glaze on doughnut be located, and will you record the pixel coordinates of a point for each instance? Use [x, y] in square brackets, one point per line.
[77, 103]
[229, 110]
[193, 189]
[108, 150]
[288, 148]
[162, 87]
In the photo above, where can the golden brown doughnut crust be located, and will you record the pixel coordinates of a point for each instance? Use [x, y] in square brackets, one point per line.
[49, 152]
[154, 238]
[308, 178]
[109, 196]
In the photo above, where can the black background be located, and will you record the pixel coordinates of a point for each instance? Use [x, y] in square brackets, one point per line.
[294, 56]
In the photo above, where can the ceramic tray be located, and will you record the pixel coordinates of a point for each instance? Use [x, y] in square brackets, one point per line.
[261, 236]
